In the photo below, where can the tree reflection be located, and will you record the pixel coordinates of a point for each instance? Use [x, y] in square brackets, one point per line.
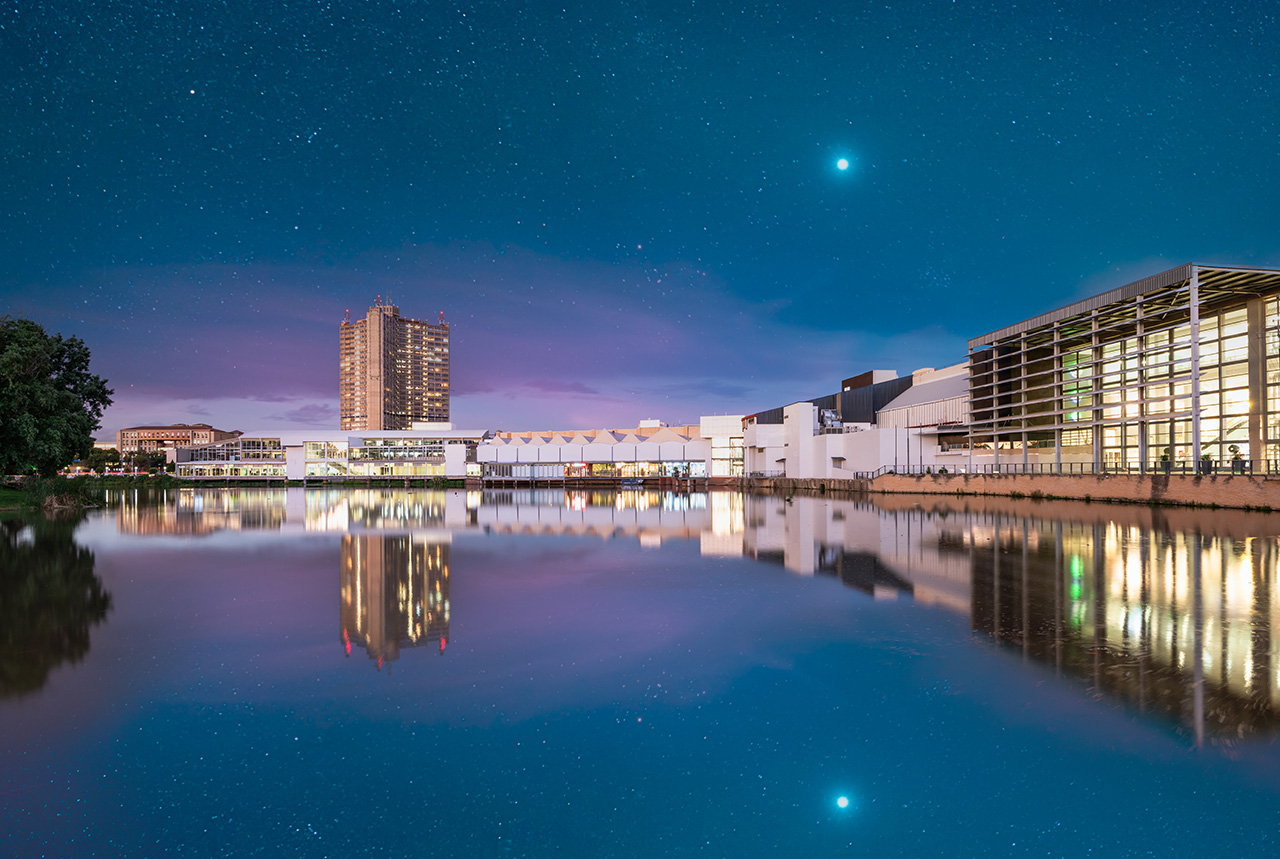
[49, 600]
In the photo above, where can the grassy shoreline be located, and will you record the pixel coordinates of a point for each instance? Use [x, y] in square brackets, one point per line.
[83, 489]
[14, 499]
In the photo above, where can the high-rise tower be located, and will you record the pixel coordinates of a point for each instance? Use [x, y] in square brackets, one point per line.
[392, 371]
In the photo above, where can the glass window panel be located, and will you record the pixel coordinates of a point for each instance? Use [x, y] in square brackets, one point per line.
[1240, 369]
[1235, 349]
[1235, 402]
[1209, 354]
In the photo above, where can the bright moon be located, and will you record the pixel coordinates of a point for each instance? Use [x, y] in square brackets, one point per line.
[843, 164]
[843, 801]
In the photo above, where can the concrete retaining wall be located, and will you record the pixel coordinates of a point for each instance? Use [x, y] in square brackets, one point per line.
[1209, 490]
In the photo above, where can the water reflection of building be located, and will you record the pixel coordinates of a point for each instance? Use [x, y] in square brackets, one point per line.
[880, 552]
[651, 516]
[189, 512]
[394, 594]
[1173, 623]
[1132, 600]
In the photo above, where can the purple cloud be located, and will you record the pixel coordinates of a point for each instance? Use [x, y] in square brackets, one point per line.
[312, 415]
[537, 341]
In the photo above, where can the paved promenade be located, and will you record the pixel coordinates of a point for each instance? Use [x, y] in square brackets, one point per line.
[1241, 491]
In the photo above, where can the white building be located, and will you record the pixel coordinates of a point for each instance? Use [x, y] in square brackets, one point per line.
[336, 454]
[712, 448]
[886, 424]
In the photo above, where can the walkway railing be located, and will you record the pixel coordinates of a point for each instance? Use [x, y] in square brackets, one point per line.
[1243, 467]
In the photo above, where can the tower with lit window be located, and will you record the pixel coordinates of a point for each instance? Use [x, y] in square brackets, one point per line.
[393, 371]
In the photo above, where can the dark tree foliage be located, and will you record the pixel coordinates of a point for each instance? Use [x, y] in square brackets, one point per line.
[49, 600]
[147, 459]
[100, 459]
[50, 403]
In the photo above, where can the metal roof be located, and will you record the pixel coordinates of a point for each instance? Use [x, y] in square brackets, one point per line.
[1214, 280]
[948, 387]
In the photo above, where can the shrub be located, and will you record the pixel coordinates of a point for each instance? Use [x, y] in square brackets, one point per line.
[55, 492]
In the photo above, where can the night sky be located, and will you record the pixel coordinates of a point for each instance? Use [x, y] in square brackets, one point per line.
[626, 210]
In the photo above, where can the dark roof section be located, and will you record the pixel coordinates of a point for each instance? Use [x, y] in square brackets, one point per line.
[858, 406]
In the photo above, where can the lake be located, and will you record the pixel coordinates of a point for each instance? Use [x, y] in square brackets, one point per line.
[379, 672]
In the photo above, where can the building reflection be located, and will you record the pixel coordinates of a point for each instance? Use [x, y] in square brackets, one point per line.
[197, 512]
[394, 594]
[1174, 623]
[1173, 611]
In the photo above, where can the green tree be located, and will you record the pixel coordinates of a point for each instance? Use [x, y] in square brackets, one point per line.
[144, 460]
[100, 459]
[50, 404]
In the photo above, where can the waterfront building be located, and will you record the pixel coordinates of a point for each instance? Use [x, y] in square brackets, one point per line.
[154, 438]
[1180, 368]
[336, 455]
[393, 372]
[877, 422]
[711, 449]
[1177, 372]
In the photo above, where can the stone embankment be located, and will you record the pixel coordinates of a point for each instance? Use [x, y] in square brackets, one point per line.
[1242, 491]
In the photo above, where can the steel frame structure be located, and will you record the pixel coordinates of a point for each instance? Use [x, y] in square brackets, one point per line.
[1130, 361]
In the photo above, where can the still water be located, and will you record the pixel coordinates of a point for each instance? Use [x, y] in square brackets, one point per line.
[411, 673]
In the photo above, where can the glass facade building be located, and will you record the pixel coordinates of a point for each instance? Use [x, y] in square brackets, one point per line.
[1181, 369]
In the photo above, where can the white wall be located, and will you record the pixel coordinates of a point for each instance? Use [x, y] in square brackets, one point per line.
[765, 445]
[800, 421]
[839, 455]
[455, 460]
[720, 426]
[295, 461]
